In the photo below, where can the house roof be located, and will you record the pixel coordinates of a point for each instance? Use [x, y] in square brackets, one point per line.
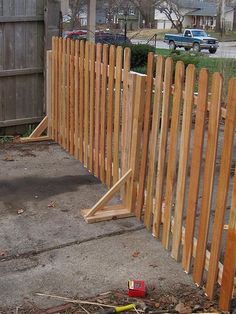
[201, 8]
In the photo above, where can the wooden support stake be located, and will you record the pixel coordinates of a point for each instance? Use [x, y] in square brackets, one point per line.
[92, 215]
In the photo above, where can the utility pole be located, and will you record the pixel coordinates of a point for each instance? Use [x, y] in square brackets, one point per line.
[91, 20]
[222, 17]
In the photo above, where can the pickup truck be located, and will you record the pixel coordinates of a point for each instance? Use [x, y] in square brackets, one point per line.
[197, 39]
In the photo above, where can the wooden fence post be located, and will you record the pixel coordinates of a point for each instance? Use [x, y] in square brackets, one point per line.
[136, 140]
[146, 132]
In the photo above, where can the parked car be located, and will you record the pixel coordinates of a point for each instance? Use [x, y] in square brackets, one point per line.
[101, 37]
[197, 39]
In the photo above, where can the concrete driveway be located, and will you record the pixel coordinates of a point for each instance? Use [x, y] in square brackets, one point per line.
[45, 245]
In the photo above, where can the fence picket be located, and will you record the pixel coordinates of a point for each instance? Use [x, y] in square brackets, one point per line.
[86, 104]
[103, 113]
[214, 117]
[56, 89]
[195, 168]
[162, 147]
[223, 187]
[146, 132]
[81, 101]
[183, 159]
[227, 284]
[60, 129]
[72, 97]
[117, 110]
[76, 99]
[110, 109]
[172, 159]
[97, 107]
[91, 105]
[53, 115]
[136, 139]
[126, 112]
[63, 100]
[154, 138]
[68, 44]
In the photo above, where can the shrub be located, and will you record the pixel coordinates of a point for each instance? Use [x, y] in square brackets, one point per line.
[186, 57]
[139, 55]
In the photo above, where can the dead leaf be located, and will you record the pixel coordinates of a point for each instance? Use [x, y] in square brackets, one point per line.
[182, 308]
[20, 211]
[8, 158]
[3, 253]
[52, 204]
[136, 254]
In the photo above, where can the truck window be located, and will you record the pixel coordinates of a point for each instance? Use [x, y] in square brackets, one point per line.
[187, 34]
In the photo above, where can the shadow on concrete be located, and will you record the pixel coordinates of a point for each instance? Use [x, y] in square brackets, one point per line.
[27, 188]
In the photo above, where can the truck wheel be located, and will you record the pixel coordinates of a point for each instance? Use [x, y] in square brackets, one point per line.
[212, 50]
[196, 47]
[172, 45]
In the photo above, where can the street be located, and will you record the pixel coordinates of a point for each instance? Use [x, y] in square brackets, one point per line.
[225, 50]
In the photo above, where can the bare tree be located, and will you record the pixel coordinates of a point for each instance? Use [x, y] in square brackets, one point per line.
[173, 12]
[146, 9]
[77, 7]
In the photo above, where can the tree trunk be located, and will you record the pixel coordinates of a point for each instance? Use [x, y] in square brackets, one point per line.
[234, 22]
[218, 17]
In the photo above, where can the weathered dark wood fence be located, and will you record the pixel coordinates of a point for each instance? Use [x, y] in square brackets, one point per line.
[26, 27]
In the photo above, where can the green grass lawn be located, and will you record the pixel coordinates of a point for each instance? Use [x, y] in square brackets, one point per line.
[227, 66]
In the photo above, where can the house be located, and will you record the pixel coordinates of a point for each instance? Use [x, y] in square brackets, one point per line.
[196, 13]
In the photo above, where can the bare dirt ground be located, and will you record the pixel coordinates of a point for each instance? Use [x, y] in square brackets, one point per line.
[46, 247]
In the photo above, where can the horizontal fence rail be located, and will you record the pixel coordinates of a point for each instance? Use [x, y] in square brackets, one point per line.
[164, 138]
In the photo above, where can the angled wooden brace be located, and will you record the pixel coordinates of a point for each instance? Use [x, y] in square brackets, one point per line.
[36, 135]
[101, 212]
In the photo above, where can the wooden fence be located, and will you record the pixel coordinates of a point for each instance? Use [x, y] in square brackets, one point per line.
[26, 28]
[164, 142]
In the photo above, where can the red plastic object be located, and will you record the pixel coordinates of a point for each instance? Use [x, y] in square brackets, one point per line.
[137, 288]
